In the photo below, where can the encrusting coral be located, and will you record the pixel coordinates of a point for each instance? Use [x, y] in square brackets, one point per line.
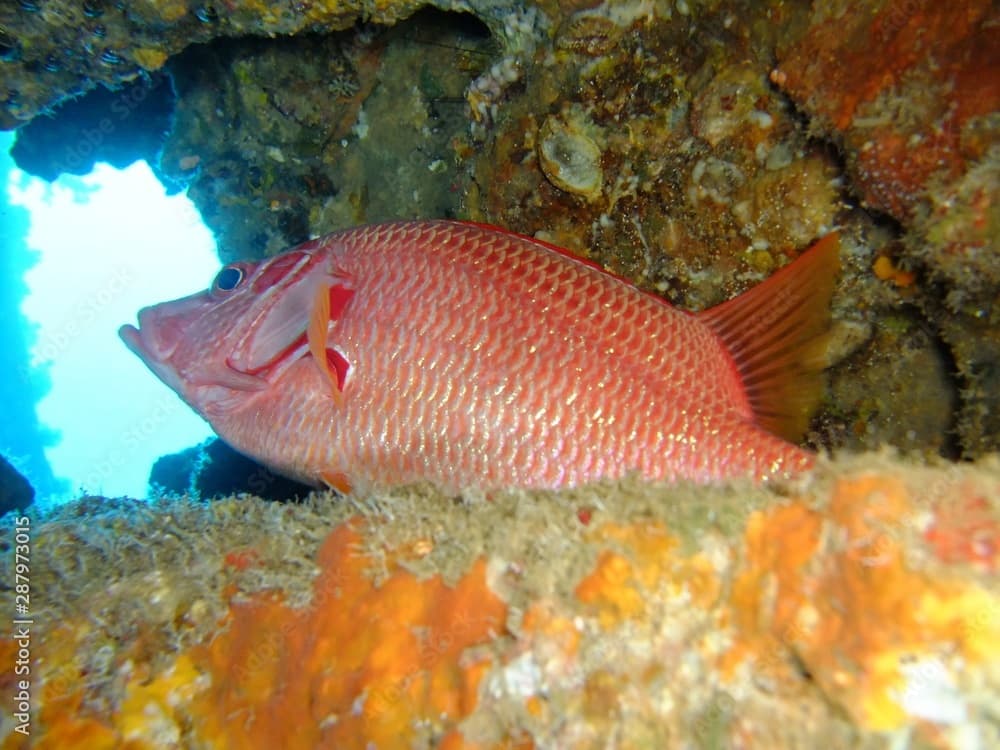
[855, 608]
[909, 90]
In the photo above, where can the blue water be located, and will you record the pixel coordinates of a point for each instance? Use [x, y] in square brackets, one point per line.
[80, 413]
[22, 439]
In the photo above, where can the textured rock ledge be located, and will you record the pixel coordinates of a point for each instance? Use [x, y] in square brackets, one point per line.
[860, 608]
[60, 48]
[692, 147]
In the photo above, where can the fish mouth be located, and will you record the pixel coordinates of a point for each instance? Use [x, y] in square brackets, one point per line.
[133, 340]
[149, 344]
[156, 337]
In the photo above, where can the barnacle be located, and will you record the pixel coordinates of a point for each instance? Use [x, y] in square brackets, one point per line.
[569, 158]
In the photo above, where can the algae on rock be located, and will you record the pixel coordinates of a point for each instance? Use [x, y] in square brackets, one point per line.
[849, 609]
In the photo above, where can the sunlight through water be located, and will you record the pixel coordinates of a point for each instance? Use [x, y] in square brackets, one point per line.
[111, 242]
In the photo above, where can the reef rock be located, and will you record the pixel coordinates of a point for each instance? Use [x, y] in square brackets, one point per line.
[213, 470]
[117, 127]
[858, 608]
[16, 492]
[910, 90]
[54, 49]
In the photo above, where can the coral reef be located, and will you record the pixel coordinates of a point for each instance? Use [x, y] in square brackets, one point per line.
[285, 139]
[909, 90]
[117, 127]
[854, 609]
[54, 50]
[255, 175]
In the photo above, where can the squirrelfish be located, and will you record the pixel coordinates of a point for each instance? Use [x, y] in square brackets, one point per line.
[465, 355]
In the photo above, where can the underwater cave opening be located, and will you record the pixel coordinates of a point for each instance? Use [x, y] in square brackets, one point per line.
[97, 248]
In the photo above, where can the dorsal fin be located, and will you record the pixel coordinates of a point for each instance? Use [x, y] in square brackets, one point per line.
[774, 333]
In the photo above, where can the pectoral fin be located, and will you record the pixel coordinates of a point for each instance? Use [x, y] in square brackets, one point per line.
[328, 302]
[336, 480]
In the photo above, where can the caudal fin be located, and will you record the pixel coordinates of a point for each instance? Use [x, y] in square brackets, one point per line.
[774, 333]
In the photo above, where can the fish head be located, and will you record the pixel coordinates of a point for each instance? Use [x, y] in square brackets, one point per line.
[223, 348]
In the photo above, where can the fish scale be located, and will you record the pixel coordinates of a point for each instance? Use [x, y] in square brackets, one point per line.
[474, 357]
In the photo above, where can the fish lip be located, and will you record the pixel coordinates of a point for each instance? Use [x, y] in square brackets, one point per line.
[145, 346]
[154, 339]
[142, 343]
[138, 340]
[129, 334]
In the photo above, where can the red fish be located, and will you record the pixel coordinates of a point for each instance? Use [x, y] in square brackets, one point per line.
[465, 355]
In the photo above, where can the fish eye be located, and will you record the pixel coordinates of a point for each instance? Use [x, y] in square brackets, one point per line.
[228, 279]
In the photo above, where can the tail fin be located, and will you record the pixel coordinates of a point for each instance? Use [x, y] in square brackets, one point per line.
[774, 333]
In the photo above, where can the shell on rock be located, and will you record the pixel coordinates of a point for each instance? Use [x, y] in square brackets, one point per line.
[570, 159]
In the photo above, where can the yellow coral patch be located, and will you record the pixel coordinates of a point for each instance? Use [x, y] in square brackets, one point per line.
[150, 58]
[170, 10]
[74, 731]
[840, 596]
[613, 588]
[621, 584]
[365, 664]
[886, 270]
[151, 714]
[542, 619]
[62, 689]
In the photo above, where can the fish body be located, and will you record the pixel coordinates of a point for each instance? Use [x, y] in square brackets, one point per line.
[464, 355]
